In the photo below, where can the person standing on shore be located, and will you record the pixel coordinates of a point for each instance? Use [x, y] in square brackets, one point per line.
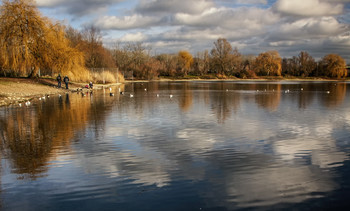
[59, 79]
[66, 80]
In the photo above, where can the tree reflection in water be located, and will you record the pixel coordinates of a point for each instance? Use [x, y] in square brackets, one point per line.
[33, 136]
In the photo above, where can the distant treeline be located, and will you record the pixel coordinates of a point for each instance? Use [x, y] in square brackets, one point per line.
[224, 61]
[31, 44]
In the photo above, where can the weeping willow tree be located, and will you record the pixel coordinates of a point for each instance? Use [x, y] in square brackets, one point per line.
[30, 42]
[268, 63]
[334, 66]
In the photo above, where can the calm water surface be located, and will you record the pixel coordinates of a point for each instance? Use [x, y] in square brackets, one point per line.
[211, 146]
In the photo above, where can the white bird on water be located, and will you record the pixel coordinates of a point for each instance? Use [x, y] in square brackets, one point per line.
[171, 96]
[110, 92]
[131, 95]
[157, 95]
[27, 103]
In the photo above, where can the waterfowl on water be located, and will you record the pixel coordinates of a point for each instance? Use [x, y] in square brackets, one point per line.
[110, 92]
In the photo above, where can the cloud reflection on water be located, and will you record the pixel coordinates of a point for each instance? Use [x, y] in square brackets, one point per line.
[253, 148]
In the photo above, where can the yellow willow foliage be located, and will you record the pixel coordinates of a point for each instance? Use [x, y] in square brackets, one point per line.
[63, 58]
[268, 63]
[29, 42]
[335, 66]
[20, 30]
[186, 59]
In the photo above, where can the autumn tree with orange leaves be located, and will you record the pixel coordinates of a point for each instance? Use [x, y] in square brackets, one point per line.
[333, 66]
[268, 64]
[30, 42]
[185, 61]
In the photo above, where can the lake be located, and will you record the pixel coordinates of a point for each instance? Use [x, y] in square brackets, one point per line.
[199, 145]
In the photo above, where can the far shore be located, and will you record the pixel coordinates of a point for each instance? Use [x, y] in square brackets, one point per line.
[19, 90]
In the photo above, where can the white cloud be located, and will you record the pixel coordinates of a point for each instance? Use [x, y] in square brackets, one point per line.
[343, 40]
[49, 3]
[135, 37]
[309, 28]
[126, 22]
[254, 25]
[238, 19]
[251, 1]
[78, 7]
[191, 35]
[308, 8]
[173, 6]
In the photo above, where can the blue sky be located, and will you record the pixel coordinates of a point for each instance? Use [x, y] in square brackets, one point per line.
[319, 27]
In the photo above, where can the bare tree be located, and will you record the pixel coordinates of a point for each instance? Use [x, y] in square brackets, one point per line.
[220, 55]
[224, 59]
[306, 64]
[92, 35]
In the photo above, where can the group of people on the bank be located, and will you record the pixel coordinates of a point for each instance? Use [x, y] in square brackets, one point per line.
[65, 80]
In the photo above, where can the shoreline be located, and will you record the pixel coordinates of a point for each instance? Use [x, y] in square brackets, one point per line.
[19, 90]
[240, 80]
